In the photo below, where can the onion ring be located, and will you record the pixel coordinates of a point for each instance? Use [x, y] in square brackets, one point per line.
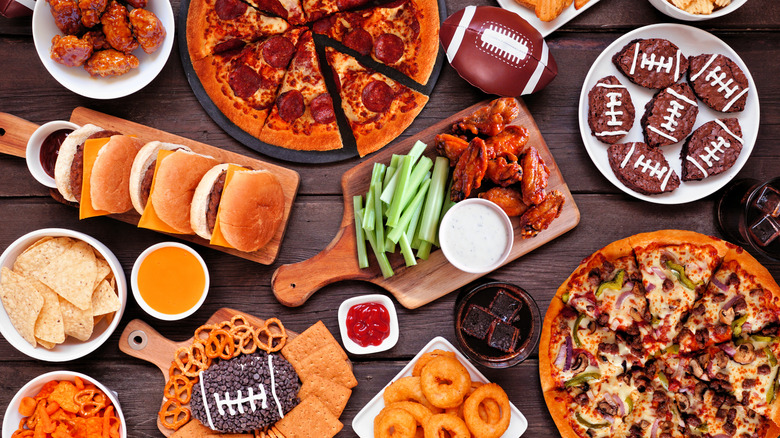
[394, 423]
[427, 357]
[439, 423]
[420, 413]
[479, 427]
[407, 389]
[445, 382]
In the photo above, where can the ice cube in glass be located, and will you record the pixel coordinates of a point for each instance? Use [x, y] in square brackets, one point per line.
[765, 230]
[769, 201]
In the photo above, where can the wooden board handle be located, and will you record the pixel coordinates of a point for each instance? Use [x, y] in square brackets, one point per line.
[140, 340]
[14, 133]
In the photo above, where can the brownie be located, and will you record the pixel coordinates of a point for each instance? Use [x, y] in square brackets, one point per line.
[505, 307]
[610, 110]
[503, 336]
[477, 321]
[651, 63]
[642, 168]
[718, 82]
[670, 115]
[712, 149]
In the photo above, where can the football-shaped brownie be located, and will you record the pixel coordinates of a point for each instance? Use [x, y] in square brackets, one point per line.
[497, 51]
[719, 82]
[642, 168]
[712, 149]
[651, 63]
[670, 115]
[610, 110]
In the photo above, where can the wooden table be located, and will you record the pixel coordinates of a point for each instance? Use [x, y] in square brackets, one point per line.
[27, 90]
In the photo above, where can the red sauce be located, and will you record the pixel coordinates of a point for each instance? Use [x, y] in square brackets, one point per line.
[50, 148]
[368, 324]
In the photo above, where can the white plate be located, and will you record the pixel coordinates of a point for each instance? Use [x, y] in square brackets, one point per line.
[545, 27]
[692, 42]
[363, 423]
[77, 80]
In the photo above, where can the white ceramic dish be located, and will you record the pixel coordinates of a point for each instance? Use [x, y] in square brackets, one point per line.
[675, 12]
[545, 27]
[692, 42]
[71, 349]
[363, 423]
[137, 294]
[453, 244]
[77, 80]
[33, 152]
[387, 343]
[13, 417]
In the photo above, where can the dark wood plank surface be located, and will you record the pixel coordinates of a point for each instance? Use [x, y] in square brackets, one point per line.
[27, 91]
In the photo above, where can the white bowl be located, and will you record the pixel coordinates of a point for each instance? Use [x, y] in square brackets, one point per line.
[77, 80]
[13, 417]
[454, 243]
[388, 343]
[33, 154]
[675, 12]
[72, 348]
[137, 294]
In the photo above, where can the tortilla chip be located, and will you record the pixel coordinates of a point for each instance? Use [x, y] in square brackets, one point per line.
[40, 253]
[328, 363]
[78, 323]
[63, 394]
[49, 326]
[103, 269]
[193, 429]
[311, 340]
[45, 344]
[334, 395]
[22, 303]
[104, 299]
[310, 419]
[72, 275]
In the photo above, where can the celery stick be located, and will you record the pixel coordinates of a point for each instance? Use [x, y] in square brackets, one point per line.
[410, 230]
[403, 222]
[425, 250]
[389, 244]
[433, 204]
[416, 151]
[406, 250]
[368, 216]
[381, 257]
[379, 226]
[360, 238]
[404, 172]
[448, 204]
[419, 173]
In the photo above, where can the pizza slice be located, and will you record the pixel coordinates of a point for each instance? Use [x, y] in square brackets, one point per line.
[316, 9]
[402, 35]
[290, 10]
[739, 299]
[244, 86]
[217, 26]
[674, 274]
[603, 408]
[302, 116]
[378, 108]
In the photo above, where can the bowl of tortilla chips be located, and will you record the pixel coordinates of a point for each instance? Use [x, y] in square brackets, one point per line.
[62, 294]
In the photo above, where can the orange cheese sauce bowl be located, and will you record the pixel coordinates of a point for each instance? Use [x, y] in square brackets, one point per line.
[170, 281]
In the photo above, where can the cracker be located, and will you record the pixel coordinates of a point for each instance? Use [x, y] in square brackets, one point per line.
[22, 303]
[311, 340]
[334, 395]
[328, 363]
[193, 429]
[310, 419]
[78, 323]
[49, 327]
[104, 299]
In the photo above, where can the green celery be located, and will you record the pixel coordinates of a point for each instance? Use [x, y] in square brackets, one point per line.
[403, 222]
[396, 208]
[425, 250]
[379, 226]
[381, 257]
[416, 151]
[360, 238]
[433, 203]
[406, 251]
[419, 174]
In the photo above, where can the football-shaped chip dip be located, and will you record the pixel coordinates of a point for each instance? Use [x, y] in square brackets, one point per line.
[670, 115]
[712, 149]
[719, 82]
[642, 168]
[651, 63]
[497, 51]
[610, 110]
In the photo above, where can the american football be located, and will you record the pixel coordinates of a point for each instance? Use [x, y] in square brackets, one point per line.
[642, 168]
[651, 63]
[497, 51]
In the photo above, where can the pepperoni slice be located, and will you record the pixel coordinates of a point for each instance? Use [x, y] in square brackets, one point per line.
[234, 44]
[291, 105]
[322, 26]
[278, 51]
[322, 109]
[389, 48]
[359, 40]
[377, 96]
[229, 9]
[273, 7]
[244, 81]
[349, 4]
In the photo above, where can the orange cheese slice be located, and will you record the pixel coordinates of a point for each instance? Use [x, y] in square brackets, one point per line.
[91, 149]
[216, 236]
[150, 219]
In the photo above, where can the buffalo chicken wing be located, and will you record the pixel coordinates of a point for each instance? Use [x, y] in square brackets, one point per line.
[540, 216]
[509, 143]
[535, 174]
[489, 120]
[110, 63]
[70, 51]
[116, 26]
[469, 171]
[451, 147]
[508, 199]
[148, 29]
[503, 172]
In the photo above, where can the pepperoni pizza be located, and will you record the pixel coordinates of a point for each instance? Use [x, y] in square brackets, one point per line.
[258, 62]
[664, 334]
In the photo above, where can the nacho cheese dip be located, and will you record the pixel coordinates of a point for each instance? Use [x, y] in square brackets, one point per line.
[171, 280]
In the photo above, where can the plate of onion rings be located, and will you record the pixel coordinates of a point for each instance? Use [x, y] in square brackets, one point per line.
[467, 405]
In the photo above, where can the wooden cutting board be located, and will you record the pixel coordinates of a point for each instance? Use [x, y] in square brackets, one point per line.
[430, 279]
[143, 342]
[18, 131]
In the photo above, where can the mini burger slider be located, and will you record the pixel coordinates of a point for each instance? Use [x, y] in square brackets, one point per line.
[69, 168]
[248, 209]
[142, 172]
[108, 182]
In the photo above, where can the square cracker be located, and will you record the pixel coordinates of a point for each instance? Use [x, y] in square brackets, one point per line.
[328, 363]
[310, 419]
[78, 323]
[193, 429]
[334, 395]
[104, 299]
[72, 275]
[311, 340]
[49, 326]
[21, 302]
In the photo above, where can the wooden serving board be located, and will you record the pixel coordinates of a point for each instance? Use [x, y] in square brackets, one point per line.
[18, 131]
[430, 279]
[143, 342]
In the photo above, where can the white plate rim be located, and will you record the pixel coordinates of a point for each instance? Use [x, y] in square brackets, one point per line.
[545, 27]
[688, 191]
[77, 80]
[363, 423]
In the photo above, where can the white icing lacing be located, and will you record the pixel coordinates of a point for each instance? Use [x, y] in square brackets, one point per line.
[628, 156]
[717, 147]
[674, 113]
[681, 97]
[273, 386]
[205, 403]
[717, 80]
[677, 67]
[601, 84]
[612, 113]
[656, 171]
[239, 401]
[662, 134]
[650, 63]
[696, 163]
[725, 128]
[636, 53]
[606, 133]
[738, 96]
[703, 69]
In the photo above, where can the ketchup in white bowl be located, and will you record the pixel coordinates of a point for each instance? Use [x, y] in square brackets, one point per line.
[368, 324]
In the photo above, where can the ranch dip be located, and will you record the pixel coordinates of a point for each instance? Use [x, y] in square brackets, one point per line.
[475, 235]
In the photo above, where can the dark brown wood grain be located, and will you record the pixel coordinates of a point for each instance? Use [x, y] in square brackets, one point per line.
[168, 104]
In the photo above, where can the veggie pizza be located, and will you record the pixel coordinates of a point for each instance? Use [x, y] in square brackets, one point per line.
[664, 334]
